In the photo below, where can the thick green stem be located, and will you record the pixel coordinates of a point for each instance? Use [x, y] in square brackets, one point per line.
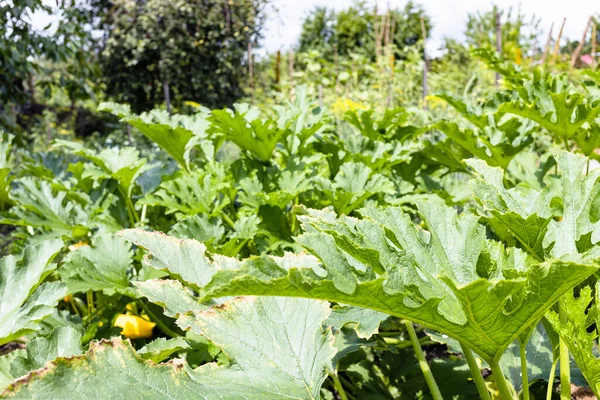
[484, 393]
[565, 372]
[505, 392]
[433, 387]
[228, 220]
[565, 362]
[551, 380]
[136, 218]
[131, 213]
[72, 303]
[90, 301]
[143, 217]
[587, 167]
[338, 386]
[524, 376]
[166, 330]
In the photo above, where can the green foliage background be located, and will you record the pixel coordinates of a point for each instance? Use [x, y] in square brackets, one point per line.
[440, 246]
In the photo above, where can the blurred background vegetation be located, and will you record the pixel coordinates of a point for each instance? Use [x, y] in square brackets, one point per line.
[183, 53]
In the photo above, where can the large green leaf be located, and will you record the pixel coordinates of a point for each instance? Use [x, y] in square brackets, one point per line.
[449, 278]
[122, 164]
[393, 124]
[104, 266]
[287, 360]
[110, 369]
[161, 348]
[578, 192]
[169, 294]
[190, 194]
[280, 338]
[5, 361]
[62, 342]
[23, 301]
[579, 331]
[527, 213]
[209, 231]
[254, 135]
[352, 185]
[498, 152]
[174, 134]
[182, 258]
[6, 167]
[563, 113]
[40, 206]
[366, 322]
[522, 211]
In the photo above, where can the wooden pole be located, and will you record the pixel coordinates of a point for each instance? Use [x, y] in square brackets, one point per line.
[391, 49]
[320, 95]
[278, 68]
[336, 70]
[425, 63]
[291, 67]
[579, 47]
[250, 70]
[498, 43]
[594, 33]
[548, 43]
[31, 81]
[388, 25]
[167, 93]
[128, 130]
[377, 31]
[557, 44]
[48, 135]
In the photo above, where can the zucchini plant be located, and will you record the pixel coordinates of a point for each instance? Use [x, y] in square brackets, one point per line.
[308, 256]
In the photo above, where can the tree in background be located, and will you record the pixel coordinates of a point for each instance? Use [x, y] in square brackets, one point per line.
[31, 59]
[520, 33]
[570, 45]
[318, 31]
[354, 30]
[196, 48]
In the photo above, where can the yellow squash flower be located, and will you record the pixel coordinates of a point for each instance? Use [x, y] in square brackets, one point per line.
[342, 105]
[134, 327]
[518, 56]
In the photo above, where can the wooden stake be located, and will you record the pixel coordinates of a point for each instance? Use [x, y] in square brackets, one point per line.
[387, 28]
[579, 47]
[48, 135]
[278, 68]
[557, 44]
[291, 67]
[167, 93]
[548, 43]
[128, 130]
[391, 59]
[498, 43]
[250, 70]
[425, 63]
[594, 33]
[377, 31]
[336, 70]
[320, 95]
[31, 82]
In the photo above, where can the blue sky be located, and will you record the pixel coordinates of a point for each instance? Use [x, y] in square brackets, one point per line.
[448, 16]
